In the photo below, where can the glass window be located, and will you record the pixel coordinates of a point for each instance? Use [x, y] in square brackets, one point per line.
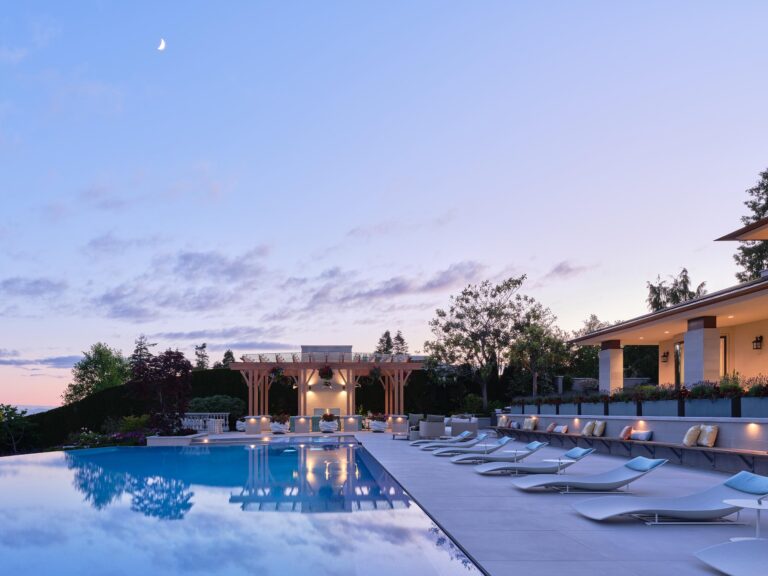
[723, 356]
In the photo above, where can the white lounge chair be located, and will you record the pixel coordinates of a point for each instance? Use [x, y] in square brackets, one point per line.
[513, 467]
[740, 558]
[596, 483]
[448, 444]
[703, 507]
[448, 441]
[495, 456]
[476, 449]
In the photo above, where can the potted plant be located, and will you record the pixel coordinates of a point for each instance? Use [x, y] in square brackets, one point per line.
[709, 399]
[328, 423]
[378, 423]
[326, 374]
[279, 423]
[755, 403]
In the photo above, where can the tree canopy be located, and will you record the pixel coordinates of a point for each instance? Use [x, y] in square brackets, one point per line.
[399, 345]
[753, 256]
[101, 367]
[201, 357]
[675, 290]
[385, 345]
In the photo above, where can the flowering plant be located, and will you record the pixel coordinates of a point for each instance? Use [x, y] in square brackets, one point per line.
[280, 418]
[378, 417]
[328, 418]
[325, 373]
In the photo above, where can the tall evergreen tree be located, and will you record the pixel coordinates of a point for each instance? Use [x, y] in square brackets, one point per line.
[399, 345]
[201, 357]
[675, 291]
[753, 256]
[385, 345]
[228, 358]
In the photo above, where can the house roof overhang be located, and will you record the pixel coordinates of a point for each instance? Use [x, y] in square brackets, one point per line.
[749, 233]
[733, 306]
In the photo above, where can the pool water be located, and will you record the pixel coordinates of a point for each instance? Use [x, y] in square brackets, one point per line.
[256, 510]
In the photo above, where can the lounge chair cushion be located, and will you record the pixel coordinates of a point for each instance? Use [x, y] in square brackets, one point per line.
[455, 420]
[576, 453]
[588, 428]
[562, 429]
[747, 482]
[435, 418]
[626, 432]
[643, 436]
[552, 426]
[534, 445]
[599, 428]
[691, 436]
[707, 436]
[641, 464]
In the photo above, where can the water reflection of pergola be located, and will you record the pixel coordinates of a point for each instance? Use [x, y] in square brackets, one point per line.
[338, 479]
[302, 368]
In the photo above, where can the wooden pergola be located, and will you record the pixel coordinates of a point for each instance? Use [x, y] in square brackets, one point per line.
[394, 370]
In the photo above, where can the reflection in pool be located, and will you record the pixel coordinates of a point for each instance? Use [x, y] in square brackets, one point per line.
[288, 509]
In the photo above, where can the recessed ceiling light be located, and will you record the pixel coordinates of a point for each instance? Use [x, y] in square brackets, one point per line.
[730, 316]
[666, 331]
[642, 337]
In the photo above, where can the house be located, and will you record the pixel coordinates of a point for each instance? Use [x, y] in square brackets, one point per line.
[699, 340]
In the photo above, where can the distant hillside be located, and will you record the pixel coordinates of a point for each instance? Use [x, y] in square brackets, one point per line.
[34, 408]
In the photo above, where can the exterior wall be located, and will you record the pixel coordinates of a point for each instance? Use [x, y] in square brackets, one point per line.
[739, 354]
[323, 398]
[667, 369]
[742, 358]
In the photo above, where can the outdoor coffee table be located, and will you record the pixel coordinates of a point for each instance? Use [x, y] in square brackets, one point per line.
[559, 462]
[750, 504]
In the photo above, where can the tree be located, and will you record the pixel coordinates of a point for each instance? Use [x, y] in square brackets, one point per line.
[385, 344]
[164, 383]
[141, 353]
[101, 367]
[13, 428]
[229, 357]
[540, 347]
[480, 327]
[753, 256]
[585, 360]
[399, 345]
[201, 357]
[674, 291]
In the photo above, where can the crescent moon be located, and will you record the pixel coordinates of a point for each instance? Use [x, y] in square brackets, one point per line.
[162, 44]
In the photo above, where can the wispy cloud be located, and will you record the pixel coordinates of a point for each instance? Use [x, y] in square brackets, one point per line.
[109, 244]
[216, 334]
[103, 198]
[563, 271]
[4, 353]
[253, 345]
[19, 286]
[212, 264]
[12, 56]
[49, 362]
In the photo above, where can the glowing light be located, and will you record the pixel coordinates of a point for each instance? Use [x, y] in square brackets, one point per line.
[730, 316]
[253, 446]
[205, 441]
[753, 428]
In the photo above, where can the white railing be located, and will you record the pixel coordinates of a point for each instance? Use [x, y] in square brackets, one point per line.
[296, 357]
[213, 422]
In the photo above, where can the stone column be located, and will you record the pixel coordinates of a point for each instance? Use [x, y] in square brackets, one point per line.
[702, 351]
[611, 366]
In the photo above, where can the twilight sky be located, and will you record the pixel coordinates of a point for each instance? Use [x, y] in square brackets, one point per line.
[317, 172]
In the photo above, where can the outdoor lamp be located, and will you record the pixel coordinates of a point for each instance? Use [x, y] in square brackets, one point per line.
[757, 343]
[665, 357]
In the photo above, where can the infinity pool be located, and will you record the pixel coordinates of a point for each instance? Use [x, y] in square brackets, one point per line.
[315, 510]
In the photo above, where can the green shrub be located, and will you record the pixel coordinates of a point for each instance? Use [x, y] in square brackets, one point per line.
[473, 404]
[757, 385]
[218, 403]
[134, 423]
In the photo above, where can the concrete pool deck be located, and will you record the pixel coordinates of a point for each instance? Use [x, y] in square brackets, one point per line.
[511, 532]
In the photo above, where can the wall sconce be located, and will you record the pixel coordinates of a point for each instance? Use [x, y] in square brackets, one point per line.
[309, 387]
[757, 343]
[665, 357]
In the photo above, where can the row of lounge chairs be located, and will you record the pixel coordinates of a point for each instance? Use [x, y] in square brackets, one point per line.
[747, 557]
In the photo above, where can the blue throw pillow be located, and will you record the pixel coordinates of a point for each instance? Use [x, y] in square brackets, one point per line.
[644, 436]
[578, 453]
[749, 483]
[641, 464]
[534, 445]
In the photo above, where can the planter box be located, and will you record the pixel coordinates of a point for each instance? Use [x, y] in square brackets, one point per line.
[593, 409]
[660, 408]
[278, 428]
[516, 409]
[708, 408]
[548, 409]
[754, 407]
[173, 440]
[378, 426]
[301, 424]
[622, 409]
[569, 409]
[326, 427]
